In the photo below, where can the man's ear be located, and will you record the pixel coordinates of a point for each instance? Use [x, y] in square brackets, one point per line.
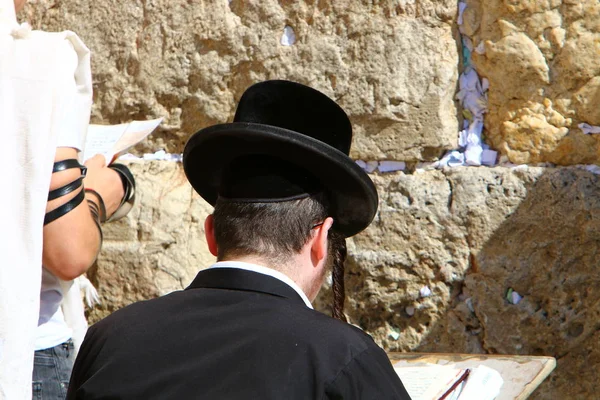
[319, 243]
[209, 234]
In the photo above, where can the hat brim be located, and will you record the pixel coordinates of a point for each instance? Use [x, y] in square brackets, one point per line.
[349, 188]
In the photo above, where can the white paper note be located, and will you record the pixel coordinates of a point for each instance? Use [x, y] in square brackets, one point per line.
[484, 383]
[100, 139]
[110, 140]
[289, 36]
[589, 129]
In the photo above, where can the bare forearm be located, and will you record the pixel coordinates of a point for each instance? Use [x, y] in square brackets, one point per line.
[71, 242]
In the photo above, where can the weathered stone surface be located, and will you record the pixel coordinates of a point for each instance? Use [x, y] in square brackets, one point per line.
[414, 242]
[542, 59]
[546, 251]
[393, 67]
[429, 229]
[578, 377]
[467, 234]
[158, 247]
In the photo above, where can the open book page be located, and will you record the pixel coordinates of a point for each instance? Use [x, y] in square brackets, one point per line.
[110, 140]
[521, 374]
[431, 381]
[428, 381]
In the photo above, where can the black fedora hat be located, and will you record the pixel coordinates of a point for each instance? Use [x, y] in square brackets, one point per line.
[287, 141]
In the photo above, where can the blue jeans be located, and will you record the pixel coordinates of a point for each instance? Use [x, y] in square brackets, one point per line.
[51, 372]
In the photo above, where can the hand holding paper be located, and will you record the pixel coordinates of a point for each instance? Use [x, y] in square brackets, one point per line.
[111, 140]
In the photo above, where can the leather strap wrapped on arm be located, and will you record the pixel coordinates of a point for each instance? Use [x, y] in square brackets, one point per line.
[100, 208]
[64, 209]
[128, 199]
[66, 189]
[63, 191]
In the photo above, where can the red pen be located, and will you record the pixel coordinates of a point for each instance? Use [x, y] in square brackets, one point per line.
[462, 378]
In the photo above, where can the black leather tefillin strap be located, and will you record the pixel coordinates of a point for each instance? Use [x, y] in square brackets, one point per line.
[68, 164]
[68, 188]
[63, 191]
[98, 210]
[96, 213]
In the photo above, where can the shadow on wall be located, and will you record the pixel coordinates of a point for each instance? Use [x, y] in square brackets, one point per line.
[547, 251]
[534, 230]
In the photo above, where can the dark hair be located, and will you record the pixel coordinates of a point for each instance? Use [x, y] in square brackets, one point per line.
[275, 231]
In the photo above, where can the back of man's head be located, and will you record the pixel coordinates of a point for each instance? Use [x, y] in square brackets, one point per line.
[287, 142]
[274, 231]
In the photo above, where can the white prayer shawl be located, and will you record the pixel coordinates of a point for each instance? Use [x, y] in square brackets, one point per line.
[40, 93]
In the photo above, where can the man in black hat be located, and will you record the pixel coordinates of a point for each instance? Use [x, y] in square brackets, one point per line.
[286, 195]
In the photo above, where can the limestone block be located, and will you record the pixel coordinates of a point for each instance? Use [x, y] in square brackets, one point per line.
[392, 66]
[539, 53]
[158, 247]
[588, 100]
[413, 247]
[428, 231]
[545, 250]
[578, 377]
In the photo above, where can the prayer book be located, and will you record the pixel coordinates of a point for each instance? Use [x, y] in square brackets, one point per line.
[446, 382]
[112, 140]
[430, 376]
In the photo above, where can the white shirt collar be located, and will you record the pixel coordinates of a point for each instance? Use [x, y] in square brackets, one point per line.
[265, 271]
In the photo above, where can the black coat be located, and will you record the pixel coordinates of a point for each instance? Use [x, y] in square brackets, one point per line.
[233, 334]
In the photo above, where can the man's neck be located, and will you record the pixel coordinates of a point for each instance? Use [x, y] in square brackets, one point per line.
[251, 259]
[261, 269]
[289, 269]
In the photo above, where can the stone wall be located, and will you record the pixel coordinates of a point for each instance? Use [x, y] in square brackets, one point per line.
[433, 270]
[542, 59]
[391, 66]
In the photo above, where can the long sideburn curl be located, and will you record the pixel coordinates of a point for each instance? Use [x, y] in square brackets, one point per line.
[338, 252]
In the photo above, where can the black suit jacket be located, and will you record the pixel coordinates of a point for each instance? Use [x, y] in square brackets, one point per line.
[233, 334]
